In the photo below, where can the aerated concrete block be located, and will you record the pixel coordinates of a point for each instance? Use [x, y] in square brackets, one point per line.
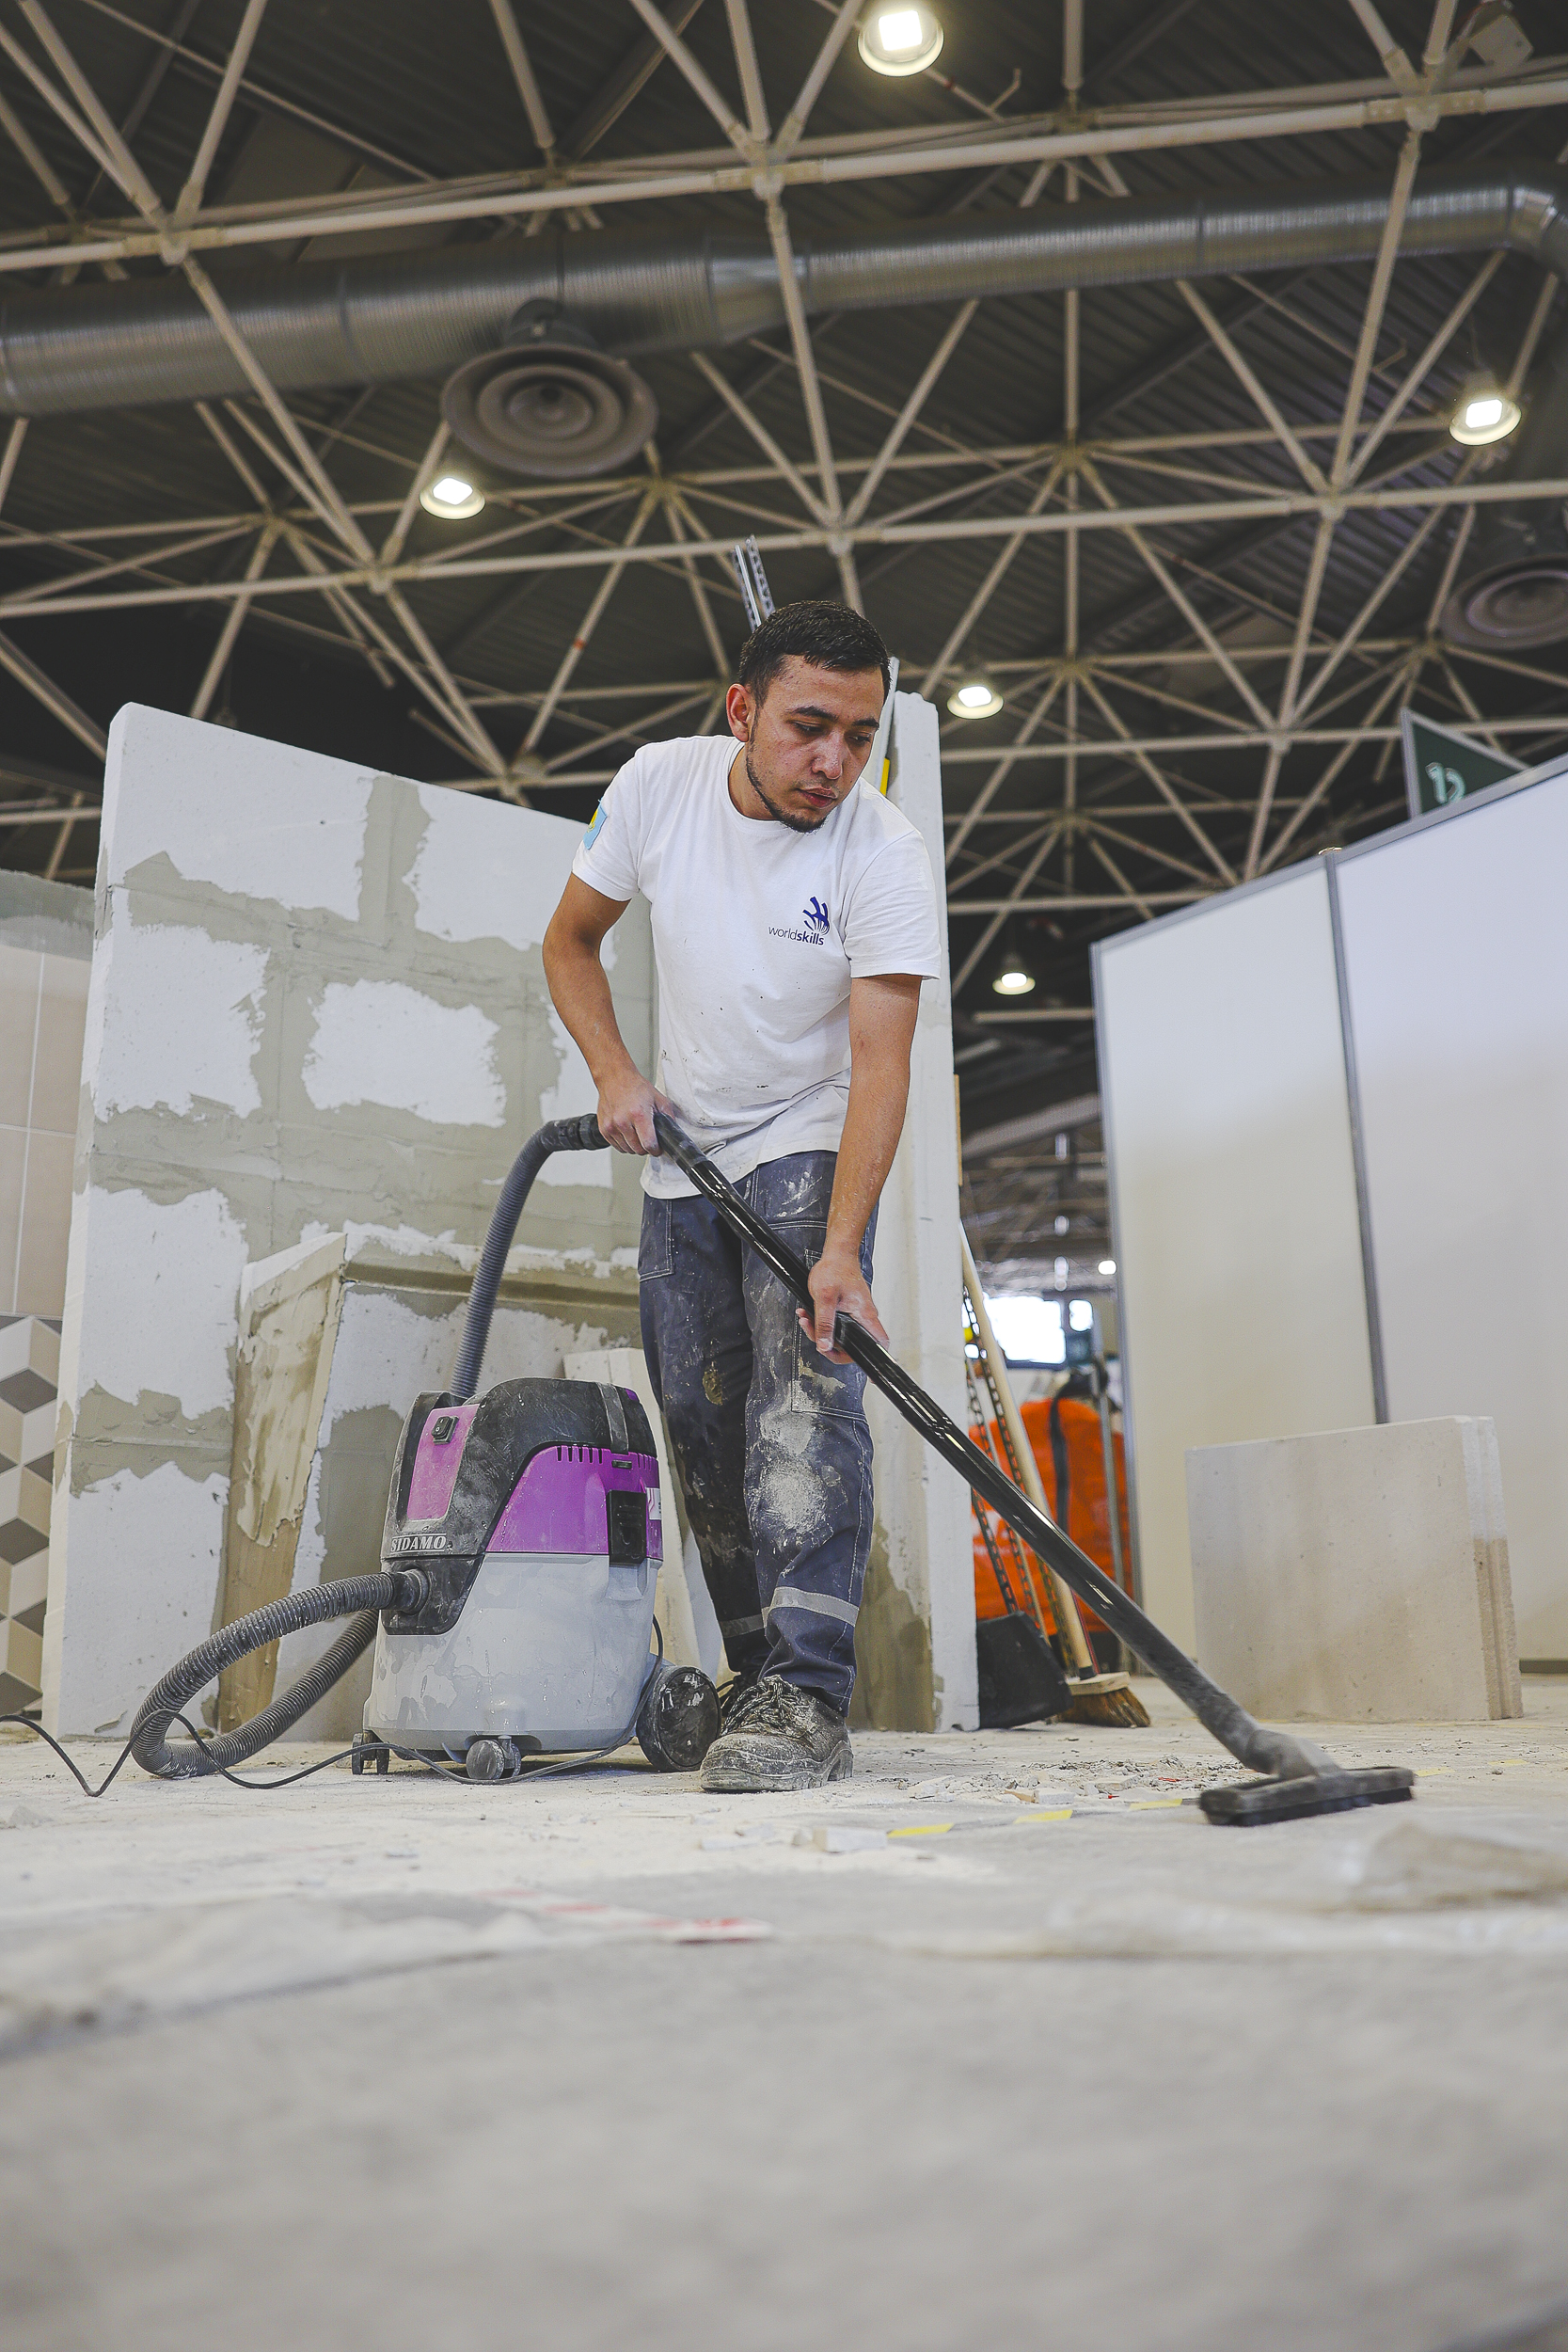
[1357, 1574]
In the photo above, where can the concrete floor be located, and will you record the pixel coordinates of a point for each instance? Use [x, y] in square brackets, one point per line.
[602, 2062]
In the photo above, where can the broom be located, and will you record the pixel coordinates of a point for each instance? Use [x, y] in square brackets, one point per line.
[1096, 1698]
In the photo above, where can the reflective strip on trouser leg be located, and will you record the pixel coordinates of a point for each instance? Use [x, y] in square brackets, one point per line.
[820, 1604]
[739, 1624]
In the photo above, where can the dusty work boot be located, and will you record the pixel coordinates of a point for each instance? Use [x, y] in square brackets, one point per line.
[778, 1737]
[734, 1696]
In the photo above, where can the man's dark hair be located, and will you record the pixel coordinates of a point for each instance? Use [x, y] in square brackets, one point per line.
[831, 636]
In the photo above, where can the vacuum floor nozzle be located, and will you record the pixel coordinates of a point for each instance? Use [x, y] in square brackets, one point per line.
[1250, 1802]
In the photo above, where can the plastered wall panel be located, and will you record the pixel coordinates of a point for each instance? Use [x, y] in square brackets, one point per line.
[247, 818]
[148, 1547]
[1233, 1197]
[316, 999]
[461, 895]
[1457, 976]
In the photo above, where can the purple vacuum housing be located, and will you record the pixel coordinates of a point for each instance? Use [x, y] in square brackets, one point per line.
[534, 1514]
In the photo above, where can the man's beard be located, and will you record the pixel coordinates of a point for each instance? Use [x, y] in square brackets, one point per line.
[782, 816]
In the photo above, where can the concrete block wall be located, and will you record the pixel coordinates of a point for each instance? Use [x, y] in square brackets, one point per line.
[317, 1000]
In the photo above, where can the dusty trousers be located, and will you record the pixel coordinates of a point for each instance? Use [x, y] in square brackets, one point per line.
[769, 1438]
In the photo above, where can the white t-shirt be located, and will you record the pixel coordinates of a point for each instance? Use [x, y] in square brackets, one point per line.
[757, 932]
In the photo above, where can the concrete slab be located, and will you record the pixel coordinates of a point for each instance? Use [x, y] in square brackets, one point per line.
[1357, 1574]
[997, 2043]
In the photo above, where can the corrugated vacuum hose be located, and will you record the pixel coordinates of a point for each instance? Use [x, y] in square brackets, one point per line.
[361, 1598]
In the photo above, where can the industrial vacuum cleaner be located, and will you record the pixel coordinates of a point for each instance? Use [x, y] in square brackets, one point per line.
[514, 1615]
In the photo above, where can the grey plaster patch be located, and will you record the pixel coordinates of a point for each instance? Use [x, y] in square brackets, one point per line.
[357, 1470]
[91, 1466]
[893, 1652]
[150, 1419]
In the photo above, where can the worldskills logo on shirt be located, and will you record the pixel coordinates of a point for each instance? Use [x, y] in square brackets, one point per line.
[816, 920]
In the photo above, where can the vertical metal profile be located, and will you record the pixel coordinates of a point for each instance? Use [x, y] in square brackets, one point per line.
[755, 595]
[1357, 1143]
[1103, 1060]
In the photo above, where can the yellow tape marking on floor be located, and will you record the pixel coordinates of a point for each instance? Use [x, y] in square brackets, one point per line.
[1435, 1772]
[1065, 1815]
[1151, 1804]
[923, 1829]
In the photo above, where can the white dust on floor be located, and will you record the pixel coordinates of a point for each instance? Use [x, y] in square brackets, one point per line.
[1056, 1840]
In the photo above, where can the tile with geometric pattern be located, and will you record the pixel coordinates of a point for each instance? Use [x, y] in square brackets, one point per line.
[29, 1369]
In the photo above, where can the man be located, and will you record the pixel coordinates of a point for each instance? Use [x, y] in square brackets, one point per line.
[793, 920]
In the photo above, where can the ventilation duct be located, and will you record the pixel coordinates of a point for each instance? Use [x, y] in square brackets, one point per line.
[1515, 594]
[550, 402]
[383, 317]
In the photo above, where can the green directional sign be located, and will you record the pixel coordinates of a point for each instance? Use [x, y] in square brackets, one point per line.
[1442, 766]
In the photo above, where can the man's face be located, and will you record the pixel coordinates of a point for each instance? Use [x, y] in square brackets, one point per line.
[808, 740]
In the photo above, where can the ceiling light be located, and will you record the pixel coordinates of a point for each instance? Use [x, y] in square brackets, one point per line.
[451, 498]
[1108, 1266]
[900, 39]
[1483, 413]
[1013, 976]
[976, 698]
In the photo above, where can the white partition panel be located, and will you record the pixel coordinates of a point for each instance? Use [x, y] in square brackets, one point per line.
[1456, 965]
[1233, 1195]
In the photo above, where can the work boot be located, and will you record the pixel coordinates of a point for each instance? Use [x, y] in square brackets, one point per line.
[735, 1693]
[778, 1737]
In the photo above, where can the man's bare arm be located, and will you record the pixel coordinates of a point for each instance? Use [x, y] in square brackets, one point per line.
[882, 1014]
[581, 993]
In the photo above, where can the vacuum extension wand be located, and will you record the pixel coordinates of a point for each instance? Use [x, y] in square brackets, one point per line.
[1302, 1779]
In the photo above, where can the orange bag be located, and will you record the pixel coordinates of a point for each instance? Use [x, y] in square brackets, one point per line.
[1076, 1440]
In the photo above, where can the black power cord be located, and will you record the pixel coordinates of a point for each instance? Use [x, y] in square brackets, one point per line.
[202, 1740]
[368, 1749]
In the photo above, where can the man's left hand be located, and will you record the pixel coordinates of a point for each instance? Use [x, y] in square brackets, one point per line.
[839, 1288]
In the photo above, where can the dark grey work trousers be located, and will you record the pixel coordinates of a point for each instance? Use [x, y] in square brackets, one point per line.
[768, 1439]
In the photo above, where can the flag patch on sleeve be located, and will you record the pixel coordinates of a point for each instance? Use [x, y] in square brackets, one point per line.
[596, 828]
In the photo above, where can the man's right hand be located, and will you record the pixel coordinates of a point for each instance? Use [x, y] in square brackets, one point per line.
[627, 1109]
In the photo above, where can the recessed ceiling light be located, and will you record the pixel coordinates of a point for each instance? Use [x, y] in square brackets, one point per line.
[900, 39]
[976, 698]
[1483, 413]
[1108, 1266]
[451, 498]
